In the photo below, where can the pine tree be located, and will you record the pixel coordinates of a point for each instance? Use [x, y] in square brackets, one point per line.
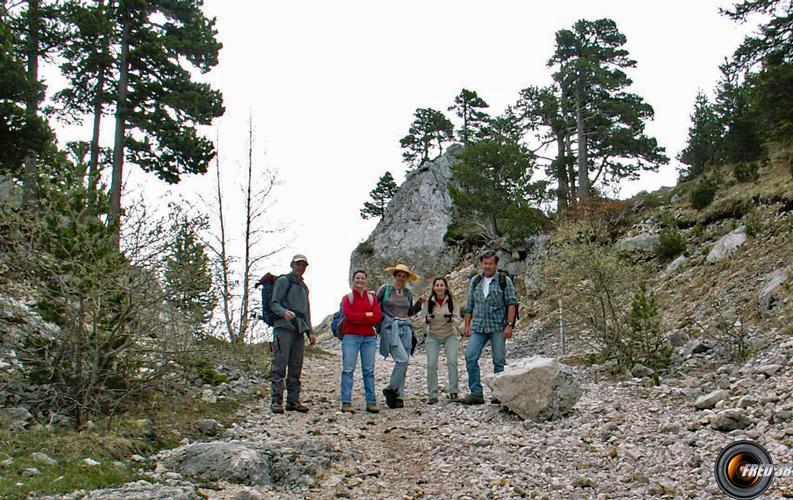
[158, 105]
[29, 32]
[544, 112]
[381, 195]
[773, 39]
[494, 188]
[87, 65]
[188, 278]
[741, 140]
[466, 106]
[705, 139]
[610, 122]
[428, 133]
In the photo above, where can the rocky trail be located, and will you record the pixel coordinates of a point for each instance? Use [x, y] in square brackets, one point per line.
[626, 439]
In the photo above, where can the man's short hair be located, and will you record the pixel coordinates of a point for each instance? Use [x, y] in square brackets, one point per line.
[488, 254]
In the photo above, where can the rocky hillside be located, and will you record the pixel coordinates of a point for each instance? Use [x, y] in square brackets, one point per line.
[413, 226]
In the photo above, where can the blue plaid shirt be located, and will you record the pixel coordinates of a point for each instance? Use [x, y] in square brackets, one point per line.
[488, 313]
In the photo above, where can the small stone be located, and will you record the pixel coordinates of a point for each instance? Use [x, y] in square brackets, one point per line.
[30, 472]
[137, 458]
[768, 370]
[90, 462]
[729, 420]
[43, 459]
[709, 401]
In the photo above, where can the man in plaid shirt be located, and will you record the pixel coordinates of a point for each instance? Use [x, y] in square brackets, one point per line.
[490, 317]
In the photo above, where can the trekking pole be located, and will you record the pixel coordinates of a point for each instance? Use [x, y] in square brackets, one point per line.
[561, 327]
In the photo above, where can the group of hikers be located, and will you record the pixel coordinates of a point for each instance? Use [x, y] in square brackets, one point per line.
[490, 314]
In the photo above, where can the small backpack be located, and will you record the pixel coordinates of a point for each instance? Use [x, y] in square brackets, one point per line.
[267, 282]
[502, 283]
[338, 317]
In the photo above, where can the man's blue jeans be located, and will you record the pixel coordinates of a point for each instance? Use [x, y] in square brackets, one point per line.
[473, 350]
[351, 345]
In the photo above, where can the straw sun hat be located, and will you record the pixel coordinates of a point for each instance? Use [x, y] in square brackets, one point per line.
[403, 269]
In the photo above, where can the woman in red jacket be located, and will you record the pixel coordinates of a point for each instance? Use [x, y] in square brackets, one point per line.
[361, 314]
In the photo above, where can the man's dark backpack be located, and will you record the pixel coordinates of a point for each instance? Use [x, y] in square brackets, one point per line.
[267, 282]
[502, 283]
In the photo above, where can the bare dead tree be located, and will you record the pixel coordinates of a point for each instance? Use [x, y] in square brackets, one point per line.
[258, 243]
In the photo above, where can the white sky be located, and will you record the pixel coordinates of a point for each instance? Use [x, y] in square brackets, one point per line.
[332, 87]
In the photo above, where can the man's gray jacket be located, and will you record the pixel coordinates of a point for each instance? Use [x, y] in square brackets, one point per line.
[296, 301]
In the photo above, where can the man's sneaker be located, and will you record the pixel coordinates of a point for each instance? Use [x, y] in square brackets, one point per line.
[400, 403]
[276, 408]
[347, 408]
[432, 401]
[453, 396]
[372, 408]
[495, 401]
[390, 397]
[296, 406]
[472, 399]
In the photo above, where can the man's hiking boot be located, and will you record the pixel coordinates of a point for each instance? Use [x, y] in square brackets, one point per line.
[453, 396]
[390, 397]
[276, 408]
[347, 408]
[432, 401]
[372, 408]
[495, 401]
[296, 406]
[472, 399]
[400, 403]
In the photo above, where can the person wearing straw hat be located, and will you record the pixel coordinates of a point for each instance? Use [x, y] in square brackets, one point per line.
[397, 338]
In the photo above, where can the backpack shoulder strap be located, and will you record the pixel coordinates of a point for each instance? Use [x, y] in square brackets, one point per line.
[476, 280]
[371, 298]
[349, 298]
[387, 289]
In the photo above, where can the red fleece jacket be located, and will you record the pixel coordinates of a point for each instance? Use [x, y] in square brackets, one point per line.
[355, 320]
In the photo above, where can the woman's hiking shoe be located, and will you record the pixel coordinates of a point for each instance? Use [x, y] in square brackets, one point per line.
[296, 406]
[390, 397]
[472, 399]
[432, 401]
[277, 408]
[372, 408]
[347, 408]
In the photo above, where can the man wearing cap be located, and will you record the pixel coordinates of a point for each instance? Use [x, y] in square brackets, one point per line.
[290, 304]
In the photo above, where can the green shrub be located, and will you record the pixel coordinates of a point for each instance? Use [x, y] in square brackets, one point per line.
[671, 244]
[746, 171]
[645, 342]
[703, 193]
[365, 248]
[754, 225]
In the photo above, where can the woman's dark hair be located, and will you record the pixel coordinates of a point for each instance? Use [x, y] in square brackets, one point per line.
[359, 271]
[434, 296]
[488, 254]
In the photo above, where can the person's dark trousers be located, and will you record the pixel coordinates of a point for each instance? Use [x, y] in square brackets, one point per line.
[288, 348]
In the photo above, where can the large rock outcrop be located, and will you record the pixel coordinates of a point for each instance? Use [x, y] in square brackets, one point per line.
[412, 228]
[536, 388]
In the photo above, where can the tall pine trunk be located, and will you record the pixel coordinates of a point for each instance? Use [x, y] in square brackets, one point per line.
[93, 164]
[114, 211]
[583, 163]
[32, 101]
[563, 193]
